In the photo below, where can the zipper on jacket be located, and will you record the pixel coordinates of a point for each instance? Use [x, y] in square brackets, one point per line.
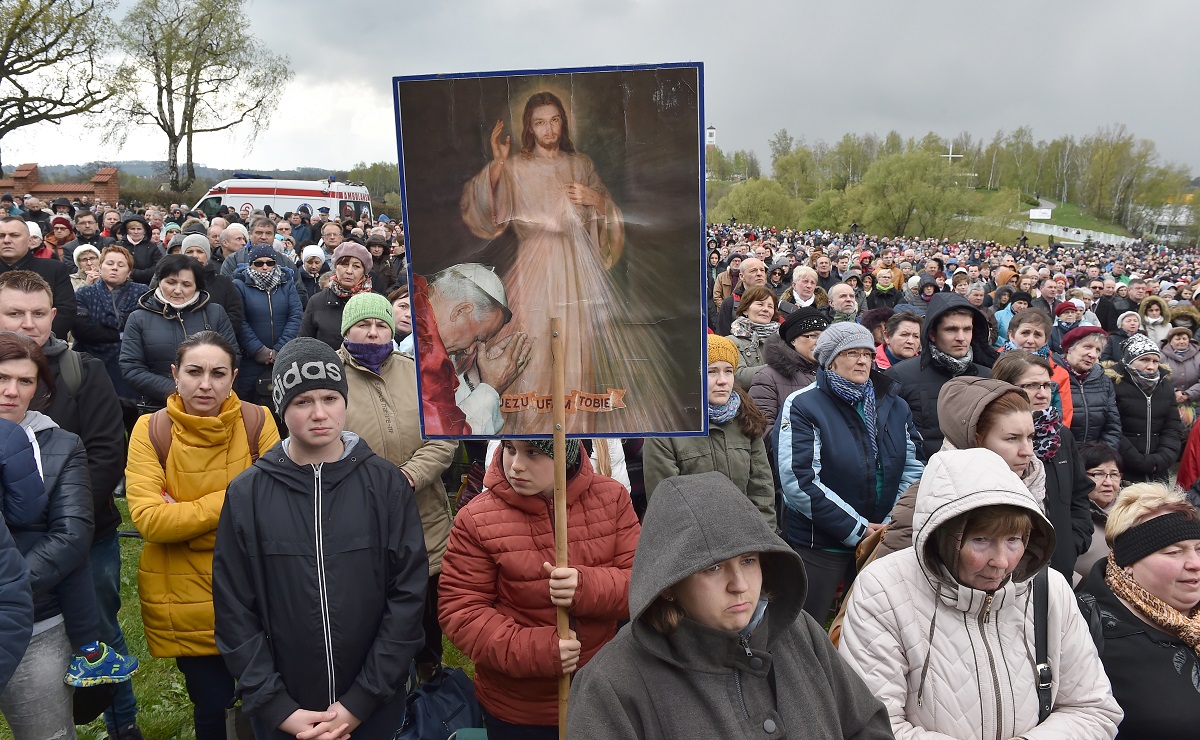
[984, 618]
[1147, 421]
[737, 676]
[1087, 417]
[319, 535]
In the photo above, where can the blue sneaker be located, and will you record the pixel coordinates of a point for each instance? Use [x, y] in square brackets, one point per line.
[110, 667]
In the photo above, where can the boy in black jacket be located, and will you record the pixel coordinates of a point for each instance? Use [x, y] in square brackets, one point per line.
[320, 570]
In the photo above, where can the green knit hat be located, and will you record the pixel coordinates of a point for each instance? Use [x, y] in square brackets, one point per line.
[367, 306]
[547, 446]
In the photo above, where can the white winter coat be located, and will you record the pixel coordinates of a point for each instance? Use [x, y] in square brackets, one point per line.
[949, 661]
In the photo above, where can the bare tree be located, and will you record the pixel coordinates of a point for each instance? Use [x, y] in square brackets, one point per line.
[194, 68]
[50, 60]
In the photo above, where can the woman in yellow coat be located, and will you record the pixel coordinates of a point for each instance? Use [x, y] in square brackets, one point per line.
[204, 439]
[382, 408]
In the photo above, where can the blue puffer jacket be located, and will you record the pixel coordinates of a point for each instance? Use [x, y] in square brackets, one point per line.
[100, 318]
[832, 484]
[16, 607]
[272, 320]
[23, 497]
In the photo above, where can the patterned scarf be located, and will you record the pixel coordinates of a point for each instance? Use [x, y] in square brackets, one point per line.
[1184, 626]
[854, 394]
[363, 286]
[744, 328]
[722, 414]
[952, 365]
[1043, 353]
[1146, 382]
[1046, 425]
[265, 281]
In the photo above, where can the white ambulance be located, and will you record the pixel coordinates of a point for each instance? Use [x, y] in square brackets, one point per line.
[245, 194]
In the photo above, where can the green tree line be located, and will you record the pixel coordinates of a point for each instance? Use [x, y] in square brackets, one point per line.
[893, 185]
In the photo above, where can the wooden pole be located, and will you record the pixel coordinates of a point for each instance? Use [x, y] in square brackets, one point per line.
[558, 392]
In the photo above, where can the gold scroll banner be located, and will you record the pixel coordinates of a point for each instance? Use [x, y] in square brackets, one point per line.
[575, 401]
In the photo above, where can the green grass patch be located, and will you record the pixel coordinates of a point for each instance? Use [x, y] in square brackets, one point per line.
[1073, 216]
[164, 710]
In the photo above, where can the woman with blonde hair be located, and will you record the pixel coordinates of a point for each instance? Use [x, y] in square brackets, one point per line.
[804, 290]
[1148, 591]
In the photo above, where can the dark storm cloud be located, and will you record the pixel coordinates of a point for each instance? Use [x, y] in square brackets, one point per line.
[817, 69]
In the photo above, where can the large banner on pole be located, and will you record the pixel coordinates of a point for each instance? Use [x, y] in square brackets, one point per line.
[571, 193]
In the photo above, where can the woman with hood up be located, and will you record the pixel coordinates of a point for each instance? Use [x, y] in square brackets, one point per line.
[1067, 483]
[1188, 316]
[975, 413]
[778, 280]
[1154, 312]
[719, 633]
[943, 633]
[1151, 431]
[134, 234]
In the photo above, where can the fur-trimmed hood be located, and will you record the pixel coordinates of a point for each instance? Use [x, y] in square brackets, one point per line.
[785, 360]
[1186, 310]
[1153, 299]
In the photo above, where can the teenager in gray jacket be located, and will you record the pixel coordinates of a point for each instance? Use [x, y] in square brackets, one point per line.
[718, 646]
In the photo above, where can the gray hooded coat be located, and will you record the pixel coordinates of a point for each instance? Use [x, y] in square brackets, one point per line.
[701, 683]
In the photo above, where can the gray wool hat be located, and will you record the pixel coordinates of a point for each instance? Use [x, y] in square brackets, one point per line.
[305, 364]
[840, 337]
[197, 240]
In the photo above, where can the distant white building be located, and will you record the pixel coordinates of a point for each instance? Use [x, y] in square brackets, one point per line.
[710, 138]
[1170, 221]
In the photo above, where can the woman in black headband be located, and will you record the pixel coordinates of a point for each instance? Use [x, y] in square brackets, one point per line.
[1147, 594]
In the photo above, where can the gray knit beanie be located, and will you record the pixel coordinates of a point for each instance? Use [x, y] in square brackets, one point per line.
[305, 364]
[840, 337]
[197, 240]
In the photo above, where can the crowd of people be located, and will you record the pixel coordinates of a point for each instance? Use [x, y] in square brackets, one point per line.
[976, 462]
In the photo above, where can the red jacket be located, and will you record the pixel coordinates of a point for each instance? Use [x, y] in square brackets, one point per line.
[494, 596]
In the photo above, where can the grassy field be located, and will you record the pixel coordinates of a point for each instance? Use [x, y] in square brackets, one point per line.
[164, 711]
[1069, 215]
[1074, 217]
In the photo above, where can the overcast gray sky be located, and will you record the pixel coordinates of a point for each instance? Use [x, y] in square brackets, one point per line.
[818, 69]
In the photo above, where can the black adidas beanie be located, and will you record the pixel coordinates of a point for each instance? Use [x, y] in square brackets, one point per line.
[305, 364]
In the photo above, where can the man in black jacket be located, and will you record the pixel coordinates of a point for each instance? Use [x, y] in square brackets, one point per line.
[87, 231]
[321, 648]
[953, 328]
[84, 403]
[15, 254]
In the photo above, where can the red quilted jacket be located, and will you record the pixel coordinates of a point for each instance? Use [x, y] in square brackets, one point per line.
[494, 596]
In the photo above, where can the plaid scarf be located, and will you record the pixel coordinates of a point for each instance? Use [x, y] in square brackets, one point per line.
[1046, 425]
[1184, 626]
[265, 281]
[854, 394]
